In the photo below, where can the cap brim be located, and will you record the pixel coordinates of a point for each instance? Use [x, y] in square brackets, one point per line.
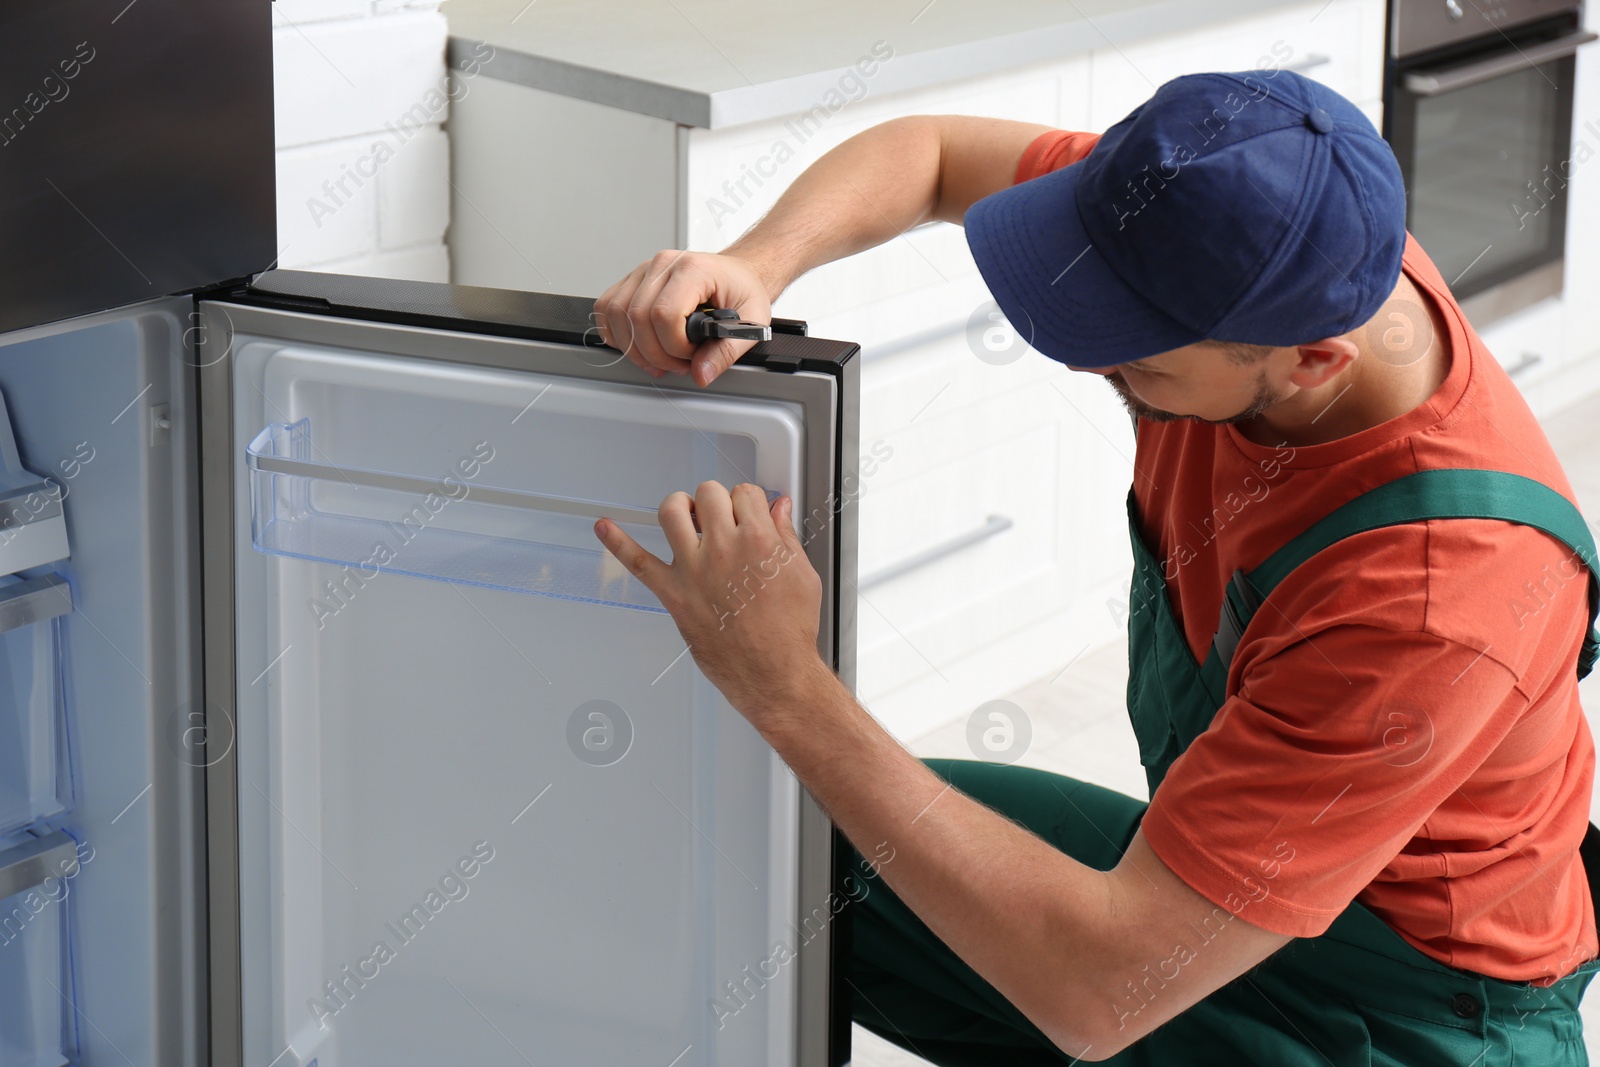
[1053, 285]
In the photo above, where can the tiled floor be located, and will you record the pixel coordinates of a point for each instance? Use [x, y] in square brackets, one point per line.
[1080, 727]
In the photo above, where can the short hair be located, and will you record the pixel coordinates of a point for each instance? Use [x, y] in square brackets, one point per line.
[1241, 352]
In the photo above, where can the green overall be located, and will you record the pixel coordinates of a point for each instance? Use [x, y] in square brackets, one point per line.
[1358, 994]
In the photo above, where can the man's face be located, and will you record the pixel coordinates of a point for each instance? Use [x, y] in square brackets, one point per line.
[1198, 382]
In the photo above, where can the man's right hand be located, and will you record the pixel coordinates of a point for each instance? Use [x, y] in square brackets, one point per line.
[873, 187]
[645, 314]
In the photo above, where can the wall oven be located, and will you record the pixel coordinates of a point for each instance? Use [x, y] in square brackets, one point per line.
[1478, 108]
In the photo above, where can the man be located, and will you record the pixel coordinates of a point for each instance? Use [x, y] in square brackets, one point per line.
[1360, 607]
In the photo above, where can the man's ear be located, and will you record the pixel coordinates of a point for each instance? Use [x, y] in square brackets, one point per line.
[1321, 361]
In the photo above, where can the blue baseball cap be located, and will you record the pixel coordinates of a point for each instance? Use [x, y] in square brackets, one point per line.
[1258, 207]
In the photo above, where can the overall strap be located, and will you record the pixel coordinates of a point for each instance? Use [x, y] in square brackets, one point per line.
[1456, 493]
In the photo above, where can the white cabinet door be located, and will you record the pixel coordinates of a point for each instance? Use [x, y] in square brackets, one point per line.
[1532, 345]
[990, 507]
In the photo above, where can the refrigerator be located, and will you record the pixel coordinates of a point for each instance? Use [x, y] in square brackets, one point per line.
[329, 733]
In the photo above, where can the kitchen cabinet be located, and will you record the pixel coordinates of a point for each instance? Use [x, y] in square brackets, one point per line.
[993, 547]
[329, 733]
[1532, 345]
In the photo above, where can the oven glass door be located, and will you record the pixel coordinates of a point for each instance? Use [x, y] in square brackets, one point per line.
[1486, 168]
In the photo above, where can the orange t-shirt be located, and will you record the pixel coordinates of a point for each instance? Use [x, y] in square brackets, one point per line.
[1402, 724]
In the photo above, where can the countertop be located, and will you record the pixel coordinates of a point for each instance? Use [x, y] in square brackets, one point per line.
[716, 63]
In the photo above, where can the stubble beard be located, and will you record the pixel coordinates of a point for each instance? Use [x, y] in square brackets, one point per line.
[1263, 399]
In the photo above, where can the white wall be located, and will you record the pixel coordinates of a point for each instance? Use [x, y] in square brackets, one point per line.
[363, 164]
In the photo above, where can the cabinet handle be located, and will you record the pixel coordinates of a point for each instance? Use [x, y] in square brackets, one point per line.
[34, 600]
[30, 863]
[1528, 361]
[995, 524]
[1432, 83]
[1312, 61]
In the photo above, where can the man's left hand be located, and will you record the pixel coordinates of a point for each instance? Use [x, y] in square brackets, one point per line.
[745, 597]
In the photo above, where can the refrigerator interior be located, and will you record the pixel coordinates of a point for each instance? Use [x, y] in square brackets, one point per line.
[499, 817]
[99, 955]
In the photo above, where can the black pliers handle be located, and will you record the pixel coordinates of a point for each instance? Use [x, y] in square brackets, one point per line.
[712, 323]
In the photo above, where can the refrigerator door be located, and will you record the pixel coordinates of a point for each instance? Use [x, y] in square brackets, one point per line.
[484, 806]
[102, 889]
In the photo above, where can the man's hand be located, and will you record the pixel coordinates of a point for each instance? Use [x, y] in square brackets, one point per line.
[873, 187]
[742, 591]
[644, 314]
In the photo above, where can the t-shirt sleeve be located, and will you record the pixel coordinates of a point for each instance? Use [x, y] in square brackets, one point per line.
[1052, 151]
[1323, 766]
[1387, 698]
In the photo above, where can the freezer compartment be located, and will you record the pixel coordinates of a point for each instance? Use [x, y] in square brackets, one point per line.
[452, 528]
[37, 991]
[36, 780]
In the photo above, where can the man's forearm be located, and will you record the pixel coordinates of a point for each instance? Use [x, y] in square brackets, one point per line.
[1022, 914]
[874, 186]
[1058, 939]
